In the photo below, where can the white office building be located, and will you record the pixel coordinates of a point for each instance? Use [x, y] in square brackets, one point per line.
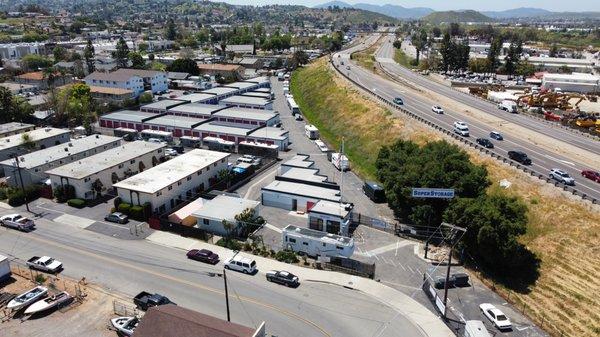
[213, 212]
[35, 164]
[170, 183]
[108, 167]
[39, 138]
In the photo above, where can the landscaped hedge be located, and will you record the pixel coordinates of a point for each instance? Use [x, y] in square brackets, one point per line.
[17, 197]
[77, 203]
[137, 213]
[64, 193]
[124, 208]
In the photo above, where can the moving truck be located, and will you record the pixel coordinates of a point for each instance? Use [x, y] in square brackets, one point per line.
[340, 161]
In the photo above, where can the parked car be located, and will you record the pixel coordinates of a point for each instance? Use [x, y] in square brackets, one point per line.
[461, 128]
[154, 140]
[441, 281]
[170, 152]
[437, 109]
[347, 67]
[117, 217]
[283, 277]
[398, 100]
[497, 317]
[145, 300]
[592, 175]
[44, 263]
[496, 135]
[298, 117]
[485, 143]
[374, 191]
[321, 145]
[241, 264]
[561, 176]
[17, 221]
[203, 255]
[255, 160]
[519, 156]
[460, 279]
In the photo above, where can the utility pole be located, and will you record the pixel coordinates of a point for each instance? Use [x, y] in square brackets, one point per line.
[226, 295]
[16, 156]
[453, 230]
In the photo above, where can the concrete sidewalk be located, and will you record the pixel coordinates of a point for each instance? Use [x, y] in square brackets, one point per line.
[430, 324]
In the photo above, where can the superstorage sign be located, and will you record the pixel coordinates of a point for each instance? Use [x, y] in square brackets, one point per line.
[439, 193]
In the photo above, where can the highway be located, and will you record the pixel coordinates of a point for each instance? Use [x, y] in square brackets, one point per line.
[543, 159]
[126, 267]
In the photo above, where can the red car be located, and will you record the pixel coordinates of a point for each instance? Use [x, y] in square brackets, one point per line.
[203, 255]
[592, 175]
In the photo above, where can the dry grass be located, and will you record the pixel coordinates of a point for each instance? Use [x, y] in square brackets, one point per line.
[563, 231]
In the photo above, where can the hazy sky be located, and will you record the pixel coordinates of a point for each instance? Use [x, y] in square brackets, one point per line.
[553, 5]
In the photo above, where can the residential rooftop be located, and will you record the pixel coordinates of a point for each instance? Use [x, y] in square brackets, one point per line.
[109, 90]
[58, 152]
[218, 67]
[171, 171]
[34, 135]
[224, 207]
[102, 161]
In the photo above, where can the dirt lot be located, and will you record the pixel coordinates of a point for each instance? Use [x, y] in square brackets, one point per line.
[86, 318]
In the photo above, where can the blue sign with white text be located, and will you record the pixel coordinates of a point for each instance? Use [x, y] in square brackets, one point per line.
[440, 193]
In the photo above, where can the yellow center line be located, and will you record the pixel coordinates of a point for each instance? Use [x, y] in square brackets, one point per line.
[181, 281]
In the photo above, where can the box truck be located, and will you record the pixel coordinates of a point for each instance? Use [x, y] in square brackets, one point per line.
[340, 161]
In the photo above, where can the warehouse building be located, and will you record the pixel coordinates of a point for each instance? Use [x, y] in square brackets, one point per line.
[13, 128]
[177, 125]
[39, 138]
[34, 165]
[175, 181]
[247, 116]
[271, 136]
[266, 95]
[199, 97]
[299, 160]
[243, 87]
[261, 81]
[196, 110]
[127, 119]
[161, 106]
[301, 174]
[555, 64]
[231, 132]
[248, 102]
[298, 196]
[211, 215]
[221, 92]
[107, 167]
[575, 82]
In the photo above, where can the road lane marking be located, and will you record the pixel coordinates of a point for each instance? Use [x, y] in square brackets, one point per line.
[177, 280]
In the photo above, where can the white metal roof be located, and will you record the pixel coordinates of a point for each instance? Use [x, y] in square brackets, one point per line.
[105, 160]
[269, 132]
[305, 174]
[224, 207]
[13, 126]
[331, 208]
[164, 104]
[175, 121]
[129, 116]
[239, 99]
[35, 135]
[251, 114]
[299, 160]
[172, 171]
[305, 190]
[197, 109]
[232, 129]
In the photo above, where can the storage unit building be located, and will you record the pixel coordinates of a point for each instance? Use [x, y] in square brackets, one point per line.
[107, 167]
[330, 217]
[298, 196]
[196, 110]
[34, 165]
[211, 215]
[271, 135]
[227, 131]
[247, 116]
[221, 92]
[40, 138]
[249, 102]
[170, 183]
[200, 97]
[316, 243]
[127, 119]
[177, 125]
[161, 106]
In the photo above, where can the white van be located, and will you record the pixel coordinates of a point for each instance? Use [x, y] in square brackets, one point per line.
[461, 128]
[475, 329]
[241, 264]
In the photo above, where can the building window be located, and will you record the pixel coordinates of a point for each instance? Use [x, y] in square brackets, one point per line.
[120, 166]
[158, 194]
[205, 221]
[292, 240]
[179, 183]
[305, 243]
[315, 223]
[86, 179]
[339, 248]
[189, 178]
[132, 161]
[323, 244]
[170, 188]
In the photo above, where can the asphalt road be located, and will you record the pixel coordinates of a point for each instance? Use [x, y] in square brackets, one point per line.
[128, 267]
[543, 160]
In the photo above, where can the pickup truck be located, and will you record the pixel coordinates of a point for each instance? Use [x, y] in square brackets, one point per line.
[17, 221]
[145, 300]
[44, 263]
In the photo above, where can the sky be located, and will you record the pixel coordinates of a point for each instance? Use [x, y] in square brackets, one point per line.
[485, 5]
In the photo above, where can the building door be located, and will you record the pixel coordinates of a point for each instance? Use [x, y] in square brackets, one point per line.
[294, 205]
[172, 203]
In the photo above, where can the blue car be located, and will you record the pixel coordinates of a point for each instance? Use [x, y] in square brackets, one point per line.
[496, 135]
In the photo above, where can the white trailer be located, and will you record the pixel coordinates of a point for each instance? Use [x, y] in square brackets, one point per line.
[292, 105]
[340, 161]
[311, 131]
[507, 105]
[316, 243]
[4, 268]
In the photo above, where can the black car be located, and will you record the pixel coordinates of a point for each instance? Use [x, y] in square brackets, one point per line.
[203, 255]
[441, 281]
[398, 100]
[283, 277]
[485, 143]
[460, 279]
[519, 156]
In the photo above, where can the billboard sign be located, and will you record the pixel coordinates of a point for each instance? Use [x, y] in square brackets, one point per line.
[438, 193]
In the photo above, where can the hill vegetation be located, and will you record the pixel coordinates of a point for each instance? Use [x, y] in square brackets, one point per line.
[456, 16]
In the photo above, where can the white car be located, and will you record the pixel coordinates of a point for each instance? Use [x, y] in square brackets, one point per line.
[242, 264]
[561, 176]
[321, 145]
[437, 109]
[497, 317]
[17, 221]
[254, 160]
[460, 124]
[170, 152]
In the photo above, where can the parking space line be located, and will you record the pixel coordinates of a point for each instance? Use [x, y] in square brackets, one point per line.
[411, 270]
[401, 265]
[393, 264]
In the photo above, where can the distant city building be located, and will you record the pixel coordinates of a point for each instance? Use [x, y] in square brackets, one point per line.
[234, 71]
[16, 51]
[42, 81]
[575, 82]
[136, 80]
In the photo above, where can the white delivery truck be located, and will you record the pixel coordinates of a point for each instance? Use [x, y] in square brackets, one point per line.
[311, 131]
[507, 105]
[340, 161]
[4, 268]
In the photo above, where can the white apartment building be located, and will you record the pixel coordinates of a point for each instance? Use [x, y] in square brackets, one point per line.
[41, 139]
[170, 183]
[15, 51]
[108, 167]
[35, 164]
[112, 80]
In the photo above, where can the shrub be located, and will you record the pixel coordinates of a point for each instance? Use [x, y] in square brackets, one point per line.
[16, 198]
[286, 256]
[64, 193]
[229, 243]
[113, 209]
[117, 201]
[124, 208]
[137, 213]
[77, 203]
[40, 278]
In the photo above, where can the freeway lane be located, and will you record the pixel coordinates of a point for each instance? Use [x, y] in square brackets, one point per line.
[385, 56]
[543, 160]
[127, 267]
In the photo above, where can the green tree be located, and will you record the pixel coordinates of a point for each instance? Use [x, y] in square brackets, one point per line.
[185, 66]
[447, 50]
[137, 61]
[299, 58]
[553, 50]
[405, 165]
[89, 54]
[494, 224]
[122, 53]
[436, 31]
[493, 53]
[525, 68]
[420, 42]
[26, 142]
[59, 53]
[13, 108]
[155, 65]
[478, 65]
[34, 62]
[143, 47]
[145, 98]
[171, 30]
[513, 57]
[249, 220]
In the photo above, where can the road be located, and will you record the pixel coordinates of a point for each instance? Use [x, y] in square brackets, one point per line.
[543, 159]
[129, 266]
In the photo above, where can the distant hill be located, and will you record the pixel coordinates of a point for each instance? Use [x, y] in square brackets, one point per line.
[522, 12]
[395, 11]
[456, 16]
